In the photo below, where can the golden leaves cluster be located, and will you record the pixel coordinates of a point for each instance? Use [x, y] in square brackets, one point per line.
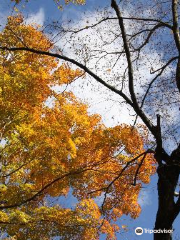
[53, 151]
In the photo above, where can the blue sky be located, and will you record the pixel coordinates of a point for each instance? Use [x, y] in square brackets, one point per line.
[46, 11]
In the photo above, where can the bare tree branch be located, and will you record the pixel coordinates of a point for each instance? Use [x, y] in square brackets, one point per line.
[130, 71]
[165, 24]
[87, 70]
[158, 75]
[151, 31]
[97, 78]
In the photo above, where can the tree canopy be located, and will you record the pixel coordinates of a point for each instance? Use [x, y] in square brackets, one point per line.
[52, 149]
[132, 49]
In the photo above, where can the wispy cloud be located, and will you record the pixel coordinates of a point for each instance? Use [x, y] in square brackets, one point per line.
[37, 18]
[92, 47]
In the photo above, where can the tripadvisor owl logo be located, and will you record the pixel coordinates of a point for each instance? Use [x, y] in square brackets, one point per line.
[139, 231]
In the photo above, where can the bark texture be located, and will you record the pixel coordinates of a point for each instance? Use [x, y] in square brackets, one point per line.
[167, 207]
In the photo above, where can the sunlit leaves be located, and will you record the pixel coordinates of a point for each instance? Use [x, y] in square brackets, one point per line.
[51, 152]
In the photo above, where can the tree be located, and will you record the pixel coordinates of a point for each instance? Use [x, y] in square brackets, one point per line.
[51, 151]
[136, 37]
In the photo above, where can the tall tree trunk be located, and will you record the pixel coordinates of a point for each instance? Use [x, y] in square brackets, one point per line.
[168, 178]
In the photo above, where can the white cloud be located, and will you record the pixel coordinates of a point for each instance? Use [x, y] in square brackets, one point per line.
[109, 105]
[36, 18]
[84, 47]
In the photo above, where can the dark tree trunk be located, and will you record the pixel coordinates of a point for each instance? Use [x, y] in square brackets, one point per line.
[168, 178]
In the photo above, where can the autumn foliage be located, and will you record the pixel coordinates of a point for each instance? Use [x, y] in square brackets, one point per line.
[52, 152]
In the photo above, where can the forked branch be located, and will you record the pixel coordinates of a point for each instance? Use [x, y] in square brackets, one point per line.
[130, 71]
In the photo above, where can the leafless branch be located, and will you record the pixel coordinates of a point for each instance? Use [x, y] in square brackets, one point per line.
[130, 70]
[98, 79]
[165, 24]
[151, 32]
[87, 70]
[158, 75]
